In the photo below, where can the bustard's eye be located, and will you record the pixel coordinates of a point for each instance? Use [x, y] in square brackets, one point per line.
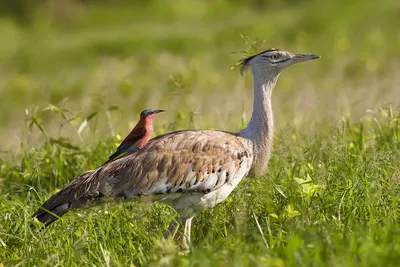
[275, 56]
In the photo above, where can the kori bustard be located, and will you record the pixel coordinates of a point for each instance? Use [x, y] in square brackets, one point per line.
[191, 170]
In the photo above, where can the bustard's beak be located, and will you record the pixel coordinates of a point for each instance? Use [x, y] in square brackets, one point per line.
[304, 57]
[158, 111]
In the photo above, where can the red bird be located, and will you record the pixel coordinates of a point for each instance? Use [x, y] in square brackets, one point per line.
[139, 136]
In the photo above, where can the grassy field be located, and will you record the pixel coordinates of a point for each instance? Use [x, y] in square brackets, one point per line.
[74, 79]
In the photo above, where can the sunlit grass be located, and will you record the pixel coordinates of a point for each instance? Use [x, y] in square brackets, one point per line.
[331, 198]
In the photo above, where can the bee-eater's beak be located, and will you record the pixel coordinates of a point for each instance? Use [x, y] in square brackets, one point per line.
[157, 111]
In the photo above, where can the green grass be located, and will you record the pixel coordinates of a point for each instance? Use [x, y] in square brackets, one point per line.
[331, 196]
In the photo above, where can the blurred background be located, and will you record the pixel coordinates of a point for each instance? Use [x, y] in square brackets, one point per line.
[84, 69]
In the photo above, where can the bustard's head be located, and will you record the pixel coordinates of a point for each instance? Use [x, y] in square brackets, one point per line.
[273, 61]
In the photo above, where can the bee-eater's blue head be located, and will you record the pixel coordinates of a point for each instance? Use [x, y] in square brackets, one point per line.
[148, 112]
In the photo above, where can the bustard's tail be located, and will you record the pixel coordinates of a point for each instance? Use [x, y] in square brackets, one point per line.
[74, 195]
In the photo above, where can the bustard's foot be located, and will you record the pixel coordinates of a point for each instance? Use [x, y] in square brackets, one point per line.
[173, 230]
[184, 252]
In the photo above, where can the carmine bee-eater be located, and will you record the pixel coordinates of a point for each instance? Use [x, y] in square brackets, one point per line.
[139, 136]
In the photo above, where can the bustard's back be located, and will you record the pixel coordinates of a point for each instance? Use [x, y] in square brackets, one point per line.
[191, 170]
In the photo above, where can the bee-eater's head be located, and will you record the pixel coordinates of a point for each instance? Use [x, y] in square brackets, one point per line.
[149, 113]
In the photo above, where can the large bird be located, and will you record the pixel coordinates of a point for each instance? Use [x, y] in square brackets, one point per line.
[191, 170]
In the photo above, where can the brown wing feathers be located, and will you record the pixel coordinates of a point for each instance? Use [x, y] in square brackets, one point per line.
[185, 161]
[74, 195]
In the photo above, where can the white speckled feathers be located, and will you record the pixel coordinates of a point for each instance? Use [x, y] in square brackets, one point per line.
[185, 161]
[206, 164]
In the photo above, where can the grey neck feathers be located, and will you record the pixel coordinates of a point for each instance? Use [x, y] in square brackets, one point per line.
[260, 129]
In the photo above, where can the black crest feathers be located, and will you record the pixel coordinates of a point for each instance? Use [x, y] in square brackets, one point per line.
[245, 63]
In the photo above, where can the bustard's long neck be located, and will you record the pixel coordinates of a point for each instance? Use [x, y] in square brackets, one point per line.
[260, 129]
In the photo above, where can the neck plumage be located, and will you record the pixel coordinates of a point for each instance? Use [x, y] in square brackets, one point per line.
[148, 125]
[260, 129]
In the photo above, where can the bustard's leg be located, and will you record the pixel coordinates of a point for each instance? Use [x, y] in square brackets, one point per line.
[186, 233]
